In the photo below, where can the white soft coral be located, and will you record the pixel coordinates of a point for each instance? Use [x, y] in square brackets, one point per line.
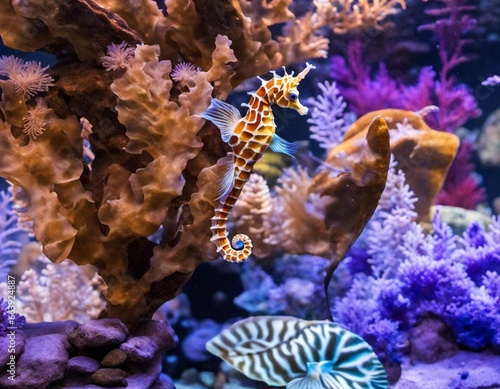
[117, 57]
[183, 74]
[34, 121]
[28, 77]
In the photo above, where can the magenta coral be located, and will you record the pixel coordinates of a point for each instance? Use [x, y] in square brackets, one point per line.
[362, 93]
[462, 188]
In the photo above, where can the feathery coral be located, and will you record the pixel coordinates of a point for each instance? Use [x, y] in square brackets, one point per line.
[8, 318]
[34, 121]
[28, 77]
[328, 116]
[183, 73]
[117, 56]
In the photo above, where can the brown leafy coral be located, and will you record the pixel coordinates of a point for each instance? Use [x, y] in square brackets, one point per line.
[423, 154]
[155, 162]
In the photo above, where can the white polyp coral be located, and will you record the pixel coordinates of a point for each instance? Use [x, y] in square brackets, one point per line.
[328, 125]
[62, 292]
[117, 57]
[34, 121]
[183, 74]
[28, 77]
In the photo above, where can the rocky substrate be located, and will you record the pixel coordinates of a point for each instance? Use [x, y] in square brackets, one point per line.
[96, 354]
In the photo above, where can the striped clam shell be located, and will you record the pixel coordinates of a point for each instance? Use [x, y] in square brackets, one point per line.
[283, 350]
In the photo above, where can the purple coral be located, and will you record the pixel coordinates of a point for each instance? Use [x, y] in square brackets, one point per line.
[9, 319]
[453, 278]
[456, 103]
[362, 93]
[492, 81]
[462, 187]
[473, 323]
[481, 251]
[293, 286]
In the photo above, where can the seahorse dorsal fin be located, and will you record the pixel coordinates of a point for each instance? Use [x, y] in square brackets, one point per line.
[224, 116]
[226, 181]
[279, 145]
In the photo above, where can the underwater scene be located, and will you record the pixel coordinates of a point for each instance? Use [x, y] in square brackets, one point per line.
[224, 194]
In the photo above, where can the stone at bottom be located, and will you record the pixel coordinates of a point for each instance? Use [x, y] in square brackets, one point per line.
[110, 377]
[42, 362]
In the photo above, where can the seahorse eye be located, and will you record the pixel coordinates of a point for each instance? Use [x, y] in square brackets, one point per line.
[293, 96]
[239, 245]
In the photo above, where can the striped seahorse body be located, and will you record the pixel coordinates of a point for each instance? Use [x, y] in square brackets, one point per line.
[300, 354]
[249, 137]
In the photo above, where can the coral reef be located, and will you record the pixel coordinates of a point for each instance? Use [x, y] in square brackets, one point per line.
[153, 159]
[114, 173]
[438, 275]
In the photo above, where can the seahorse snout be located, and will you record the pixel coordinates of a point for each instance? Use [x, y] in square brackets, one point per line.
[302, 110]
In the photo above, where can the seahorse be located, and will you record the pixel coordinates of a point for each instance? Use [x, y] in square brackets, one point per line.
[249, 137]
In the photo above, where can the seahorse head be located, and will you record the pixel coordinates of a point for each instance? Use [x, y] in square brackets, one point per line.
[282, 90]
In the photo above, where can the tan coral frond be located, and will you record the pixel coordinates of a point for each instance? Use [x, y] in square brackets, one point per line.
[300, 220]
[300, 40]
[162, 129]
[344, 15]
[265, 13]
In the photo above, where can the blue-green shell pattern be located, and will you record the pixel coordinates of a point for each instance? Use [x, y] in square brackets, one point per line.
[300, 354]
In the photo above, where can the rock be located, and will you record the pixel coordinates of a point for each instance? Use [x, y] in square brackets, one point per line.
[145, 374]
[139, 348]
[15, 343]
[432, 341]
[82, 365]
[163, 382]
[149, 340]
[43, 362]
[110, 377]
[114, 358]
[160, 331]
[78, 372]
[96, 333]
[57, 327]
